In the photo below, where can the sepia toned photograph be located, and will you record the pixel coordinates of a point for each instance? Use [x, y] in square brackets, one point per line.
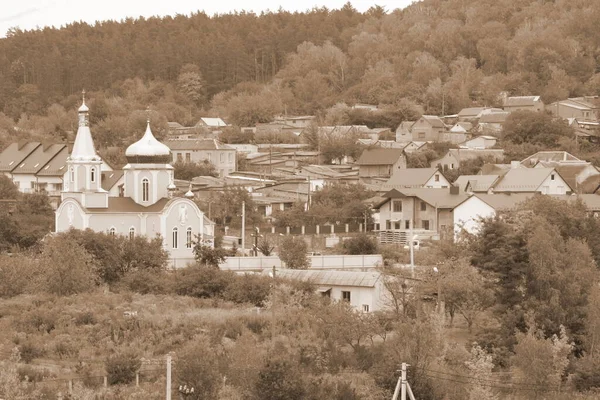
[300, 200]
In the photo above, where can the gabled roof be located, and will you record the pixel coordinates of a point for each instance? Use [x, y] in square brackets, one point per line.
[524, 179]
[440, 198]
[405, 125]
[501, 201]
[554, 156]
[496, 169]
[213, 122]
[578, 103]
[14, 154]
[476, 183]
[110, 178]
[521, 101]
[57, 165]
[174, 125]
[332, 278]
[38, 159]
[379, 156]
[197, 144]
[434, 121]
[494, 118]
[476, 112]
[469, 154]
[410, 177]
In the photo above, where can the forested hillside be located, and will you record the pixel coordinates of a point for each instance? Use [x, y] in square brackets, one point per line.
[441, 54]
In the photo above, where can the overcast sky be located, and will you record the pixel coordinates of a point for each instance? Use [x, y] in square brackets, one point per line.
[29, 14]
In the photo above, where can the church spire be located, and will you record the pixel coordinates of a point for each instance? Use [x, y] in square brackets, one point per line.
[84, 149]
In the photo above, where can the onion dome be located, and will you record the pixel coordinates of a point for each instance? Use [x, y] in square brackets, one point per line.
[148, 150]
[171, 186]
[189, 194]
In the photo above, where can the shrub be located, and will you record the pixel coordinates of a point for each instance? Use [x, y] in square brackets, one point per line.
[198, 367]
[293, 252]
[29, 351]
[147, 282]
[85, 318]
[253, 289]
[257, 324]
[202, 281]
[360, 244]
[122, 367]
[30, 374]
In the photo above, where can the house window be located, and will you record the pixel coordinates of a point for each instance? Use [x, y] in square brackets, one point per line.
[346, 296]
[93, 174]
[423, 206]
[452, 166]
[388, 224]
[222, 157]
[230, 157]
[131, 233]
[145, 189]
[112, 231]
[552, 177]
[179, 157]
[72, 174]
[437, 177]
[407, 224]
[365, 308]
[421, 135]
[398, 206]
[397, 225]
[209, 156]
[425, 224]
[175, 238]
[188, 157]
[188, 238]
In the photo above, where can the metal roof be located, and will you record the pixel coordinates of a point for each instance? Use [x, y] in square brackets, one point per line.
[410, 177]
[197, 144]
[38, 159]
[524, 179]
[332, 278]
[521, 101]
[379, 156]
[57, 166]
[14, 154]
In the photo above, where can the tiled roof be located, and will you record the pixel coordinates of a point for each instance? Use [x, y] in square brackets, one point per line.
[496, 169]
[503, 202]
[469, 154]
[521, 101]
[477, 183]
[127, 205]
[493, 118]
[109, 178]
[523, 179]
[332, 278]
[379, 156]
[57, 166]
[196, 144]
[554, 156]
[38, 158]
[590, 185]
[410, 177]
[14, 154]
[434, 121]
[440, 198]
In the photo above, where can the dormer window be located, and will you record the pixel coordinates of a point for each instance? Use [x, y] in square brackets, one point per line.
[145, 189]
[93, 174]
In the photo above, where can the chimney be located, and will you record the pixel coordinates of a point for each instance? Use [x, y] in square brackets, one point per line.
[515, 164]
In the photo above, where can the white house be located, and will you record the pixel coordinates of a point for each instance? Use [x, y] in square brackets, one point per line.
[480, 142]
[365, 291]
[532, 180]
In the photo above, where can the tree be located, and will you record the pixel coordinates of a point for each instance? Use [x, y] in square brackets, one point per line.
[480, 366]
[279, 380]
[293, 252]
[197, 367]
[189, 170]
[399, 290]
[360, 244]
[68, 267]
[191, 84]
[266, 247]
[8, 190]
[122, 367]
[536, 128]
[209, 256]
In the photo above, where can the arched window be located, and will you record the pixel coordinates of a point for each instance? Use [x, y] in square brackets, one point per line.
[175, 241]
[188, 241]
[72, 174]
[131, 232]
[112, 231]
[145, 189]
[93, 174]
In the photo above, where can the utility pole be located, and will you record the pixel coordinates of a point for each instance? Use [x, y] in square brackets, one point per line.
[411, 247]
[401, 385]
[243, 229]
[168, 377]
[308, 199]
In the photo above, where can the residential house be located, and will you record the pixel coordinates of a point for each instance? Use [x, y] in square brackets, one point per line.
[428, 128]
[455, 157]
[244, 148]
[212, 124]
[580, 108]
[412, 147]
[222, 156]
[458, 133]
[364, 291]
[178, 131]
[403, 132]
[582, 177]
[13, 156]
[492, 122]
[428, 210]
[416, 178]
[297, 122]
[533, 180]
[476, 183]
[525, 103]
[468, 214]
[361, 106]
[480, 142]
[380, 163]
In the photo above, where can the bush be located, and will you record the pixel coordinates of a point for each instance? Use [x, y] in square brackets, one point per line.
[29, 351]
[256, 324]
[85, 318]
[121, 368]
[293, 252]
[253, 289]
[201, 281]
[147, 282]
[360, 244]
[30, 374]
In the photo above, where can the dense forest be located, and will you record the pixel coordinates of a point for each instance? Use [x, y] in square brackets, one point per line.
[439, 54]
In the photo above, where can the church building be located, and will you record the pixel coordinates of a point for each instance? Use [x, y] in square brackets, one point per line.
[147, 205]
